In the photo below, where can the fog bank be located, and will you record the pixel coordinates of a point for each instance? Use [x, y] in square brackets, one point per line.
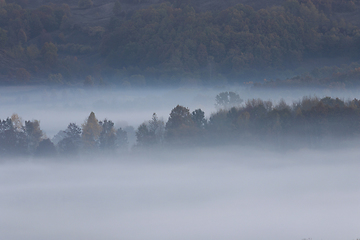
[221, 193]
[56, 108]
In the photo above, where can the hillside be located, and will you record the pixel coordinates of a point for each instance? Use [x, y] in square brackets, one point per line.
[153, 42]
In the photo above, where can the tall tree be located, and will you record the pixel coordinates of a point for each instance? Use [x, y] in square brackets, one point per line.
[91, 130]
[71, 143]
[107, 139]
[180, 125]
[227, 100]
[198, 116]
[121, 139]
[34, 134]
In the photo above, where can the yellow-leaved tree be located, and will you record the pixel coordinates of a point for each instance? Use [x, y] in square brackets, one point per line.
[91, 130]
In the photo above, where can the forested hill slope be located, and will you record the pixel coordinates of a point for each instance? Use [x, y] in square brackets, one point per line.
[153, 42]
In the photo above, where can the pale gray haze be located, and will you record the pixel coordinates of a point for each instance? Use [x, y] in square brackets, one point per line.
[56, 108]
[220, 193]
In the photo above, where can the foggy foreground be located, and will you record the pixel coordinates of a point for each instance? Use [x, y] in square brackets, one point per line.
[221, 193]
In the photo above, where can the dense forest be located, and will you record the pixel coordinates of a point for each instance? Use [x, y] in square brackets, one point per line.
[171, 42]
[310, 122]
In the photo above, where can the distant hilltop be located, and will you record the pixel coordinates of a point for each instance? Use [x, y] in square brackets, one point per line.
[168, 43]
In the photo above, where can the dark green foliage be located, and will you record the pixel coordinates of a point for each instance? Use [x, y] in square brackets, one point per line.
[233, 41]
[310, 122]
[107, 135]
[198, 116]
[180, 127]
[49, 54]
[71, 143]
[121, 139]
[227, 100]
[117, 8]
[45, 149]
[3, 38]
[143, 137]
[85, 3]
[12, 141]
[150, 133]
[169, 42]
[34, 134]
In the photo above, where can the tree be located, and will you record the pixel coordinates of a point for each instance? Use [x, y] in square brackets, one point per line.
[85, 4]
[156, 129]
[33, 133]
[121, 139]
[227, 100]
[71, 143]
[198, 116]
[143, 137]
[180, 125]
[36, 26]
[89, 82]
[107, 137]
[32, 52]
[45, 149]
[91, 130]
[150, 133]
[55, 79]
[117, 8]
[22, 37]
[49, 54]
[3, 37]
[22, 75]
[12, 137]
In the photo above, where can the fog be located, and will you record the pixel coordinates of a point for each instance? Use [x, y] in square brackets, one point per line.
[194, 193]
[221, 193]
[56, 108]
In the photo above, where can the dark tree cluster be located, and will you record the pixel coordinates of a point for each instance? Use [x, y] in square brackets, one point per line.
[309, 122]
[21, 140]
[343, 77]
[169, 43]
[306, 123]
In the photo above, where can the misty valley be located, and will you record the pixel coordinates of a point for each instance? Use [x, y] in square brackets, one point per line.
[287, 167]
[311, 122]
[179, 119]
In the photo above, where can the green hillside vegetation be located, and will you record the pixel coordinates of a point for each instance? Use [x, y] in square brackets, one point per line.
[343, 77]
[170, 43]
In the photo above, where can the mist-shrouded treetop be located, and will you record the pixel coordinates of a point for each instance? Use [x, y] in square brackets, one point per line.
[227, 100]
[151, 133]
[107, 136]
[308, 123]
[91, 130]
[180, 125]
[71, 141]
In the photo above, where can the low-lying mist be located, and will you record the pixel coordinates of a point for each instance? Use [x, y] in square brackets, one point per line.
[56, 108]
[199, 193]
[259, 189]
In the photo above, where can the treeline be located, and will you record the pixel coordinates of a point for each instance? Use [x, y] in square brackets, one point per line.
[17, 139]
[309, 122]
[170, 42]
[166, 42]
[343, 77]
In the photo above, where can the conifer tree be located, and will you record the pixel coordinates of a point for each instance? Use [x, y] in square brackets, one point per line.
[91, 132]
